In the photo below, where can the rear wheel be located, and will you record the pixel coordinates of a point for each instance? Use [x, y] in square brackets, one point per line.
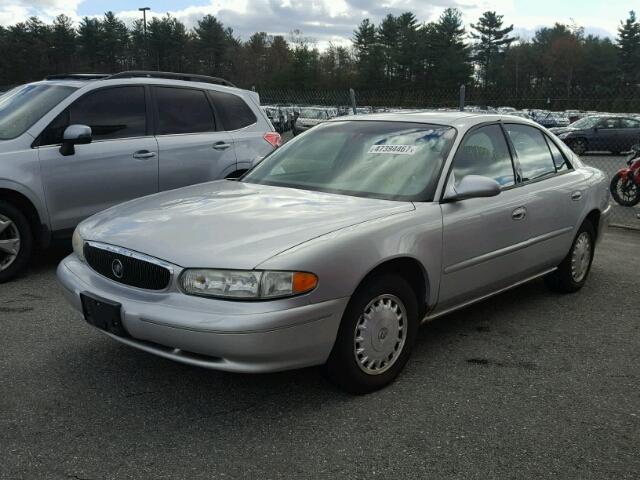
[624, 191]
[376, 335]
[16, 241]
[572, 273]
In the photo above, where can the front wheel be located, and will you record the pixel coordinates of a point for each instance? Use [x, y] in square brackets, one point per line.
[578, 146]
[624, 191]
[572, 273]
[16, 241]
[376, 335]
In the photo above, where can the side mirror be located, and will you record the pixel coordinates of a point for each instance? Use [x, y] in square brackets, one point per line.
[74, 135]
[472, 186]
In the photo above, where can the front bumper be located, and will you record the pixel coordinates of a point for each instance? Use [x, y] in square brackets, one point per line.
[247, 337]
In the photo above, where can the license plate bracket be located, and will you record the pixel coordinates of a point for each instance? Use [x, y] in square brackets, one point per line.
[103, 314]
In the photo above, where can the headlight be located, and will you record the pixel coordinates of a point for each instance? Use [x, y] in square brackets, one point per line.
[246, 284]
[78, 244]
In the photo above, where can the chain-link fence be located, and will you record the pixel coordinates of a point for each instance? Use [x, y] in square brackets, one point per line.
[601, 126]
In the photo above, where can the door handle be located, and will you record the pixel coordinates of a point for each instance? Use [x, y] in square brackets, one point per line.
[221, 146]
[577, 195]
[144, 154]
[519, 213]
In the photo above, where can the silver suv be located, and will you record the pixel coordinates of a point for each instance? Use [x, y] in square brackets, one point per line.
[73, 145]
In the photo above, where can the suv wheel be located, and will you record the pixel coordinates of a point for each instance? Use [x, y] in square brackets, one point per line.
[16, 241]
[376, 335]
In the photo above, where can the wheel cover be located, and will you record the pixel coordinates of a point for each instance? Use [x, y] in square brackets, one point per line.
[627, 190]
[9, 242]
[380, 334]
[581, 257]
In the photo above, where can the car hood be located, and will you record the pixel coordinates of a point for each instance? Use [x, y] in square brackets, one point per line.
[226, 224]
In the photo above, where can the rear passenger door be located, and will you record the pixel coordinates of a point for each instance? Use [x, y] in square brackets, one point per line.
[554, 195]
[192, 147]
[629, 133]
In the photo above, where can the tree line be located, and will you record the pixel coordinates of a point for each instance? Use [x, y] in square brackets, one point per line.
[399, 52]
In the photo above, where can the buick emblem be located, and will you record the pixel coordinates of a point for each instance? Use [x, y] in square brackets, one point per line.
[117, 268]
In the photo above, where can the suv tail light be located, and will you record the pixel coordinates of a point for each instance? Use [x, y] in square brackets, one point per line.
[274, 139]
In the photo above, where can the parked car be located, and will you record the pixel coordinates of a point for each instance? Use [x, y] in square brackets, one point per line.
[335, 248]
[309, 117]
[611, 133]
[73, 145]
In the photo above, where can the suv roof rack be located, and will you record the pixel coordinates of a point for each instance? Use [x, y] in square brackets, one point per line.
[187, 77]
[77, 76]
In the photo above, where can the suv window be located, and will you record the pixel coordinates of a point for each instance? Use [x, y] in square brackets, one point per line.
[532, 150]
[117, 112]
[559, 159]
[484, 152]
[234, 112]
[183, 110]
[629, 123]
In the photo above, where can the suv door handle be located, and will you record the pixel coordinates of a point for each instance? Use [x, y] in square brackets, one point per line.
[144, 154]
[519, 213]
[221, 146]
[577, 195]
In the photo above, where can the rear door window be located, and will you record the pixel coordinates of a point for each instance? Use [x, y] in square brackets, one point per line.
[532, 151]
[234, 112]
[183, 110]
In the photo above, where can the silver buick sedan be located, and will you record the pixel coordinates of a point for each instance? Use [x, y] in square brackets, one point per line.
[337, 246]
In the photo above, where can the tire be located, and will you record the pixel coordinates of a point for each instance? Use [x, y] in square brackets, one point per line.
[616, 190]
[566, 279]
[14, 225]
[346, 367]
[579, 146]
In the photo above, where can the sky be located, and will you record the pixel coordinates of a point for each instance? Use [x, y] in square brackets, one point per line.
[326, 21]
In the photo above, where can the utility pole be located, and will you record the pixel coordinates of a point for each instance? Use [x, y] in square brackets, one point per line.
[144, 28]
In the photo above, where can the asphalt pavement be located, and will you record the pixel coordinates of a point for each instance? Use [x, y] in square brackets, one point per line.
[526, 385]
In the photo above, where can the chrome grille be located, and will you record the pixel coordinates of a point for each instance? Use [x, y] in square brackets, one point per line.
[127, 267]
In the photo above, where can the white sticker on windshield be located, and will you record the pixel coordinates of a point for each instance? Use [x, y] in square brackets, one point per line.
[394, 149]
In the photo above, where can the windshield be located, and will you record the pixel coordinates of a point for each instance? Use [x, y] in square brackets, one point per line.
[309, 113]
[23, 106]
[388, 160]
[586, 122]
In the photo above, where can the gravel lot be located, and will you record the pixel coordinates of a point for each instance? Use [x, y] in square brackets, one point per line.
[526, 385]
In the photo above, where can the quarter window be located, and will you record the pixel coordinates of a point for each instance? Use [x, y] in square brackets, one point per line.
[532, 150]
[234, 112]
[484, 152]
[558, 158]
[111, 113]
[183, 110]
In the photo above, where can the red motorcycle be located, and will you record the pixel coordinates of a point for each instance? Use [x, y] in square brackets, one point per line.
[625, 185]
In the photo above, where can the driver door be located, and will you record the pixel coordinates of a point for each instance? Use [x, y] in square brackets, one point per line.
[121, 162]
[483, 237]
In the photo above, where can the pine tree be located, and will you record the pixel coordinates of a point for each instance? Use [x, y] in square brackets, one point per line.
[492, 40]
[629, 47]
[368, 53]
[451, 55]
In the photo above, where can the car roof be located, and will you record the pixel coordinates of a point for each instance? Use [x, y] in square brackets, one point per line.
[453, 118]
